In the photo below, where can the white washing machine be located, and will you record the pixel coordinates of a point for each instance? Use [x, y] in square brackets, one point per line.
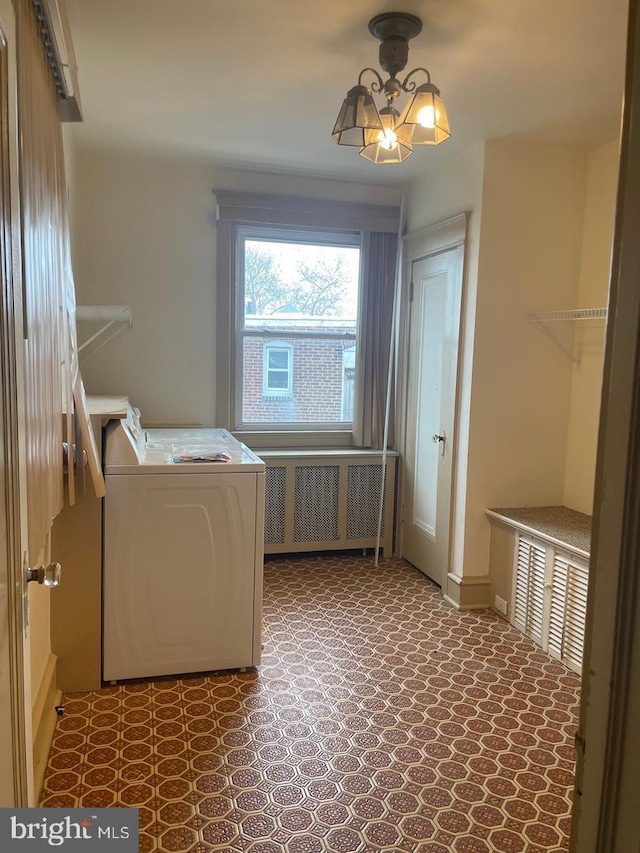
[183, 552]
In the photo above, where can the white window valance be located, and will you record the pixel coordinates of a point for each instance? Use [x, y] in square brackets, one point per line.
[306, 212]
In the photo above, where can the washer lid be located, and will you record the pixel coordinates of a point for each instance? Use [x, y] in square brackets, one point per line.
[184, 451]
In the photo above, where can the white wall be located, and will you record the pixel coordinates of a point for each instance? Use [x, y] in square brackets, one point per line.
[595, 268]
[532, 215]
[527, 205]
[144, 235]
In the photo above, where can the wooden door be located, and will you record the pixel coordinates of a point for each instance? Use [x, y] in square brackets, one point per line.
[16, 777]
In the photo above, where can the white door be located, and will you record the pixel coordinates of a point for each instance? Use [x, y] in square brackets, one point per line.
[431, 369]
[16, 775]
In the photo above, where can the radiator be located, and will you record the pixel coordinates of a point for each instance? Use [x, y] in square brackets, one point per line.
[327, 500]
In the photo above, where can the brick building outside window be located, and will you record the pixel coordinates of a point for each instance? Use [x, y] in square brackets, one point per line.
[298, 379]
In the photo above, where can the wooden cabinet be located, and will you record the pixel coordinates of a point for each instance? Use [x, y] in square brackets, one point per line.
[549, 598]
[539, 573]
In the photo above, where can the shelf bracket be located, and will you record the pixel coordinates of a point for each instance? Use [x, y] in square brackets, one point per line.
[114, 319]
[538, 324]
[540, 319]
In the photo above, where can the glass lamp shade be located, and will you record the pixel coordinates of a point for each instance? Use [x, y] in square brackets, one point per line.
[357, 116]
[424, 120]
[388, 145]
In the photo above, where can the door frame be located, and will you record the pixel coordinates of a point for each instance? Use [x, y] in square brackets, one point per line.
[419, 245]
[605, 814]
[15, 705]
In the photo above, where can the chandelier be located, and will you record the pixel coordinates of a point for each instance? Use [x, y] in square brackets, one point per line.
[386, 136]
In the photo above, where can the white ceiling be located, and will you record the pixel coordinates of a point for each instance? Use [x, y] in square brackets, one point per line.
[258, 83]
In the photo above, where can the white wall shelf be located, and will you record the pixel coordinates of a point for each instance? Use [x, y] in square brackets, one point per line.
[539, 319]
[112, 319]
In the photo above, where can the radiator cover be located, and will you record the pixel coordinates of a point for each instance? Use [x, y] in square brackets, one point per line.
[549, 601]
[327, 500]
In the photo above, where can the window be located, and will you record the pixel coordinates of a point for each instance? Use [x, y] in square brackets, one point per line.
[278, 365]
[297, 302]
[305, 294]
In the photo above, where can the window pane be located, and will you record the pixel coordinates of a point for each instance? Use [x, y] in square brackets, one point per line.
[278, 359]
[322, 389]
[300, 286]
[278, 380]
[307, 289]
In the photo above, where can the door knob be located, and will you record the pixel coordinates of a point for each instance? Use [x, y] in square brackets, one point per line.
[441, 440]
[48, 575]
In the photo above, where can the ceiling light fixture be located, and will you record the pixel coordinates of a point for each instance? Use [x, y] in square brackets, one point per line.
[386, 136]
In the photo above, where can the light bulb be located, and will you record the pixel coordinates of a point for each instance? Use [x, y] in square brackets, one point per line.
[427, 116]
[387, 138]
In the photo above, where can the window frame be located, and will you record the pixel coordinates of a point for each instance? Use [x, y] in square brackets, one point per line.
[312, 433]
[234, 209]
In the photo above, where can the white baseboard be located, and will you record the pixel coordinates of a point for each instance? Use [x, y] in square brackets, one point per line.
[468, 592]
[457, 606]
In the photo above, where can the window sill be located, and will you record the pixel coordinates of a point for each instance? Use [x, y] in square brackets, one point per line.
[292, 439]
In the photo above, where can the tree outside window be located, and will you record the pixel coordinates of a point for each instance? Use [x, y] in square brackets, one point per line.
[297, 297]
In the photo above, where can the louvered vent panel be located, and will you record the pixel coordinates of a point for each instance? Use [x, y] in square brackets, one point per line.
[275, 503]
[528, 605]
[576, 615]
[568, 611]
[557, 610]
[363, 501]
[316, 503]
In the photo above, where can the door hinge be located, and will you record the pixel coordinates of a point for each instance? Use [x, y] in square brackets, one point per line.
[411, 291]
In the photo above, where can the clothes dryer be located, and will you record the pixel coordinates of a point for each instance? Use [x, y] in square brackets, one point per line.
[183, 552]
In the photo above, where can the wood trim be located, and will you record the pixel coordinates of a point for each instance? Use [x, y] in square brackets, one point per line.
[44, 258]
[450, 234]
[44, 719]
[55, 34]
[305, 212]
[357, 454]
[605, 814]
[468, 593]
[225, 322]
[12, 502]
[304, 441]
[441, 237]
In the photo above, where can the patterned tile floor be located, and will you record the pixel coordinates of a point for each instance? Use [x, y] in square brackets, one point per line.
[380, 719]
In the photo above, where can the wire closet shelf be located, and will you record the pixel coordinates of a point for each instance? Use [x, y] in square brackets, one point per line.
[539, 320]
[572, 314]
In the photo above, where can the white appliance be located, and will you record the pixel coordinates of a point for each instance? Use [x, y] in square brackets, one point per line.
[183, 552]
